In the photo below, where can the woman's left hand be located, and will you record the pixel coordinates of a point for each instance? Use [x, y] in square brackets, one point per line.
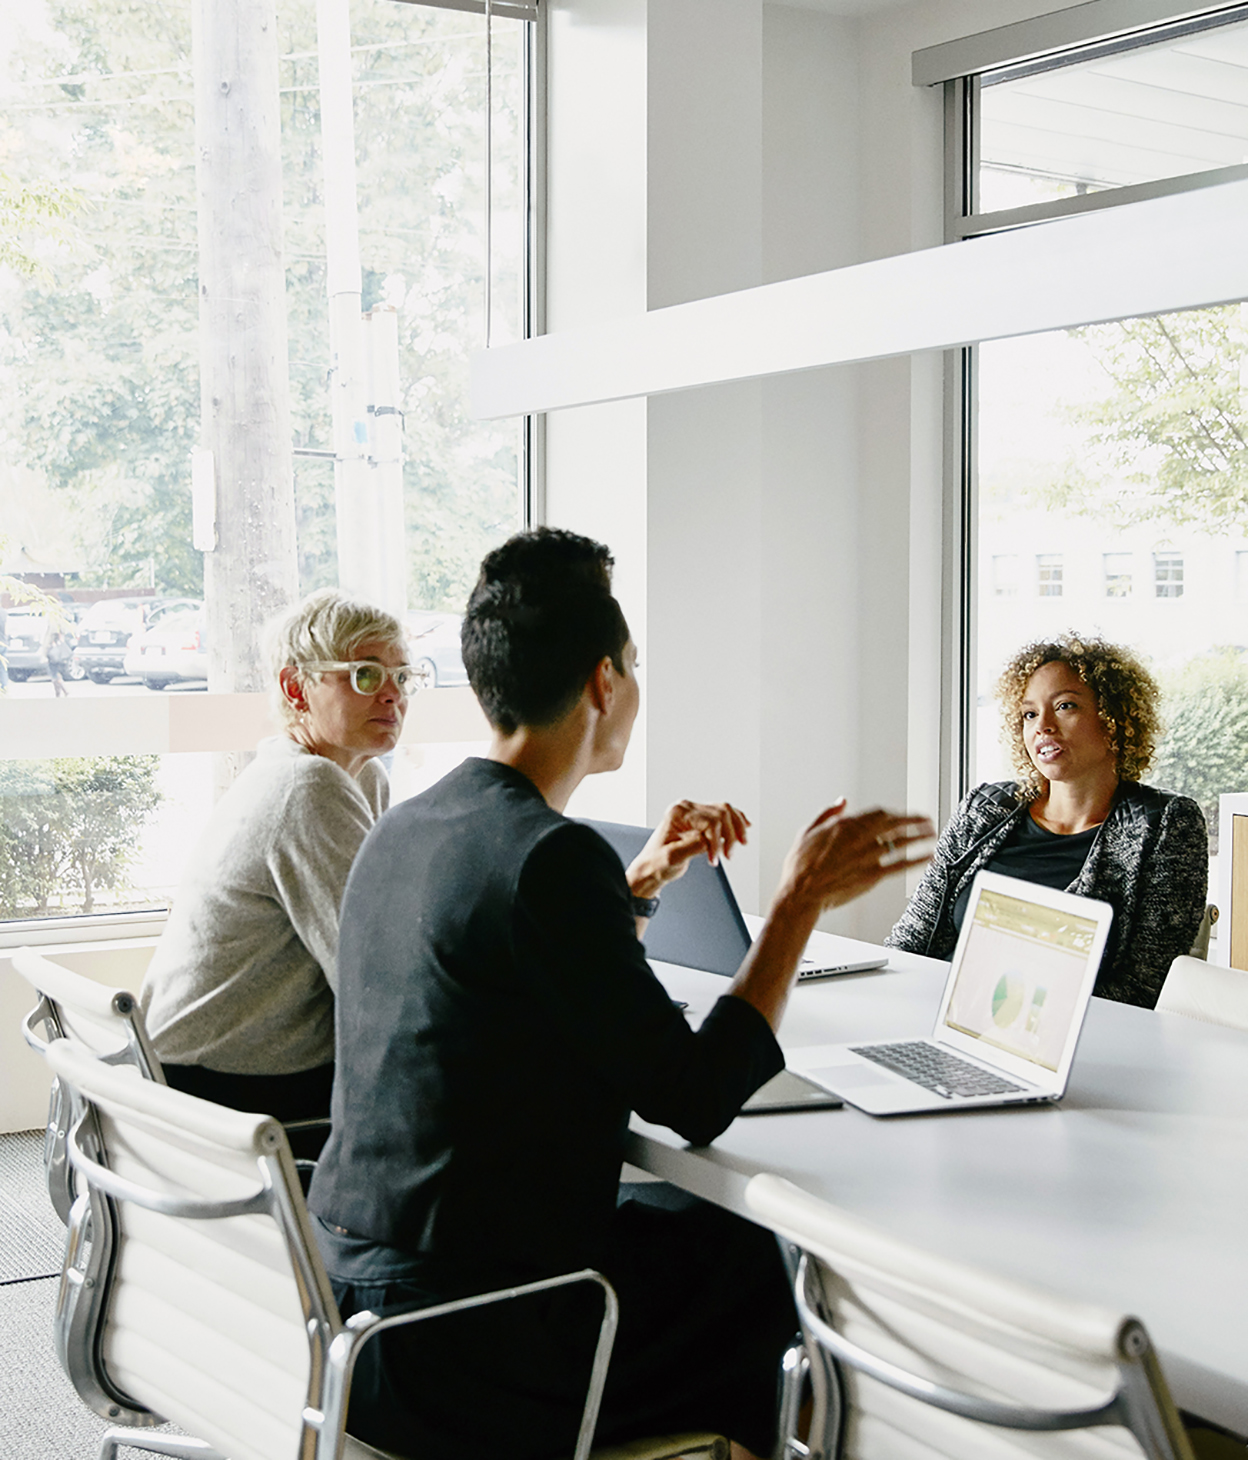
[687, 829]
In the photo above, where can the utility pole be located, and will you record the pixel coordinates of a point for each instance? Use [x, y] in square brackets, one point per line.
[367, 434]
[251, 573]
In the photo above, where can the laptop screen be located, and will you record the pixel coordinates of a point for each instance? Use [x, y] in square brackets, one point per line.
[1020, 976]
[698, 924]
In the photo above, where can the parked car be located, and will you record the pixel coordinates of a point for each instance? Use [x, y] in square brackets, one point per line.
[108, 626]
[25, 628]
[174, 649]
[433, 648]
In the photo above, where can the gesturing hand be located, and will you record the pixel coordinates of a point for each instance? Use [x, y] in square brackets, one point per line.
[687, 829]
[839, 857]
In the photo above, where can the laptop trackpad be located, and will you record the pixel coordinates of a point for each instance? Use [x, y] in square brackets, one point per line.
[856, 1076]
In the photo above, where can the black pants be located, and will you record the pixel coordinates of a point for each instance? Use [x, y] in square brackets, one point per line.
[705, 1315]
[301, 1096]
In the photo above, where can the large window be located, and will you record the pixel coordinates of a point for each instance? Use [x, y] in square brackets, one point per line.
[1120, 448]
[100, 396]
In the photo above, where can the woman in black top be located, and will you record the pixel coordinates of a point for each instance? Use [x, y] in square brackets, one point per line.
[1081, 721]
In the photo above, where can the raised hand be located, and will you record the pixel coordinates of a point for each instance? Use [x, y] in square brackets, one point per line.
[687, 829]
[838, 857]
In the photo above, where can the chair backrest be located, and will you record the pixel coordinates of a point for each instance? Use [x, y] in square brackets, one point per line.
[106, 1020]
[1205, 991]
[192, 1288]
[941, 1360]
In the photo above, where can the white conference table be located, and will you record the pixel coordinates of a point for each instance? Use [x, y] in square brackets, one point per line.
[1132, 1192]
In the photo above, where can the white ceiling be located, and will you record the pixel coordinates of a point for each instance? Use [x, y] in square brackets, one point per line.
[1150, 113]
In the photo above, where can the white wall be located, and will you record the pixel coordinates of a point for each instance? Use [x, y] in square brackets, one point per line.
[780, 542]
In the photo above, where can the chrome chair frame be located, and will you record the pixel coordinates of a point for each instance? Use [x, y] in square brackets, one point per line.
[117, 1005]
[87, 1283]
[1133, 1404]
[887, 1283]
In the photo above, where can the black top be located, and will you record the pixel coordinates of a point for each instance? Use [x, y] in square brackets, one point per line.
[1033, 853]
[496, 1022]
[1149, 861]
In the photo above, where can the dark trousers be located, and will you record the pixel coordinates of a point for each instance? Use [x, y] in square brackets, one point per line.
[301, 1096]
[705, 1315]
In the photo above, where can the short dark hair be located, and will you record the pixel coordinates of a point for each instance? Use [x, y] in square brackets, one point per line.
[540, 618]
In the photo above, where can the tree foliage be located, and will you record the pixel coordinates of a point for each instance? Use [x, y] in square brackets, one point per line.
[70, 825]
[1205, 749]
[101, 351]
[32, 216]
[1168, 442]
[99, 355]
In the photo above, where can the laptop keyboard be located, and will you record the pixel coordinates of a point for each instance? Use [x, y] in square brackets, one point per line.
[945, 1074]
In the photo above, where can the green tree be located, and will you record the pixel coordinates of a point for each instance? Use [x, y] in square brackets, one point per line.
[32, 216]
[103, 382]
[70, 823]
[1168, 442]
[1205, 749]
[101, 392]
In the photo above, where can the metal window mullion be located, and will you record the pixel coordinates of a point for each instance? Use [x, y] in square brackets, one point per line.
[968, 577]
[978, 225]
[533, 429]
[961, 598]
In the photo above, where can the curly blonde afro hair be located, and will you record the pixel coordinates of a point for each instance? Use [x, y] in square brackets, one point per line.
[1126, 700]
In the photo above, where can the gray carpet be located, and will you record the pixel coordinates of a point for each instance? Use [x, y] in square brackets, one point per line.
[41, 1418]
[31, 1236]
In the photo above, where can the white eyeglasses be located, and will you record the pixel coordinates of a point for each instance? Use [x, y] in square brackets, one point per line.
[369, 678]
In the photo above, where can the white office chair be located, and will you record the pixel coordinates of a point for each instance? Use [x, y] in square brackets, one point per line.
[201, 1297]
[914, 1357]
[1206, 991]
[106, 1020]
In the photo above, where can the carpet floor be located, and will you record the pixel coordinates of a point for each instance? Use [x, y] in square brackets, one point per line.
[41, 1418]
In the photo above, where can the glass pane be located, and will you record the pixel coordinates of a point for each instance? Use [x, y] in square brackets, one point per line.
[419, 81]
[98, 834]
[1152, 112]
[1122, 450]
[99, 354]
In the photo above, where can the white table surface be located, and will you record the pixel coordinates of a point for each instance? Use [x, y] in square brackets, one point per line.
[1133, 1192]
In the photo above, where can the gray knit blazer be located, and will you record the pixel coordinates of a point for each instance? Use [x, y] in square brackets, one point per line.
[1149, 861]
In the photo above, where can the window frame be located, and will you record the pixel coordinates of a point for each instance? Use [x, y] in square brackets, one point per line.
[1044, 42]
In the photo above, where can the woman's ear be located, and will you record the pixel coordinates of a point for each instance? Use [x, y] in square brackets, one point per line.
[292, 687]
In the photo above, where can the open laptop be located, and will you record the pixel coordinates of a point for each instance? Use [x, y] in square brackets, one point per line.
[699, 925]
[1009, 1019]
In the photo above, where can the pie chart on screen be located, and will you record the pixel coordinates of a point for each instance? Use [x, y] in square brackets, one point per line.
[1007, 1000]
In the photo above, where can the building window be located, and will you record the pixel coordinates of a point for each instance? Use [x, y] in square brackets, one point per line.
[1168, 575]
[102, 312]
[1049, 575]
[1006, 573]
[1117, 575]
[1087, 439]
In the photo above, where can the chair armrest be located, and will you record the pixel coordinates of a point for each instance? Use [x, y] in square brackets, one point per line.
[969, 1406]
[361, 1327]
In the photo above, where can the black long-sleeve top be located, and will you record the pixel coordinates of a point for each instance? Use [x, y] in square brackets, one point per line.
[496, 1023]
[1149, 860]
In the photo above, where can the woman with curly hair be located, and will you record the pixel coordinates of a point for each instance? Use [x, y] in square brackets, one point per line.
[1080, 719]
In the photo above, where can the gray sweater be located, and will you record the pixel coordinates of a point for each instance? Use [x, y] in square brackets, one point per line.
[242, 979]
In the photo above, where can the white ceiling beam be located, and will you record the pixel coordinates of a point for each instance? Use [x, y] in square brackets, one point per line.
[1150, 257]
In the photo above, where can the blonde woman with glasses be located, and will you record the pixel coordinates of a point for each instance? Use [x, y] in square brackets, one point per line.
[239, 997]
